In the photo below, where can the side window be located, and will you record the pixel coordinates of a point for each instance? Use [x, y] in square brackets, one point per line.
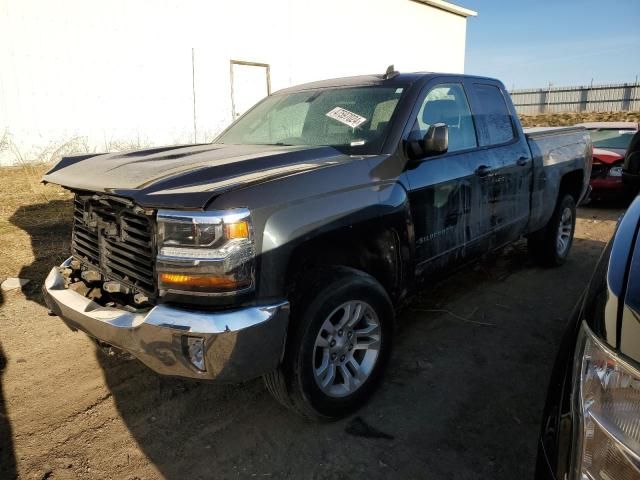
[447, 103]
[496, 114]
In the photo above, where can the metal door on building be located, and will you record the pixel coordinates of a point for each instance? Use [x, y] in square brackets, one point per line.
[250, 83]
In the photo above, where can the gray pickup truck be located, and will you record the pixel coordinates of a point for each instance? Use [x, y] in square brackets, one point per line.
[284, 248]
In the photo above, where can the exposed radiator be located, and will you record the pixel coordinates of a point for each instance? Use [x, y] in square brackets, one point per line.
[116, 238]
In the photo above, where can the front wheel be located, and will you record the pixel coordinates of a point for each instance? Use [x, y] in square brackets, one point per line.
[550, 246]
[339, 342]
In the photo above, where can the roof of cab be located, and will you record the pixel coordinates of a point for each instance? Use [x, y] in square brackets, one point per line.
[403, 79]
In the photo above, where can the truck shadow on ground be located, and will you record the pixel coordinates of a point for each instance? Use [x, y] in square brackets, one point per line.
[7, 455]
[605, 209]
[464, 391]
[48, 225]
[49, 228]
[602, 211]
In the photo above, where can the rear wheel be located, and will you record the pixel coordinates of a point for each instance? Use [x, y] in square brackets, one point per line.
[339, 342]
[550, 246]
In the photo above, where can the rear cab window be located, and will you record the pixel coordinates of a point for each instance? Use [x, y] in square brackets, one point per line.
[495, 115]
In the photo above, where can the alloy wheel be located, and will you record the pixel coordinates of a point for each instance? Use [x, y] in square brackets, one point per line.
[346, 349]
[565, 231]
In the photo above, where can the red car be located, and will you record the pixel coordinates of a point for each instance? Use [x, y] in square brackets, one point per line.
[610, 142]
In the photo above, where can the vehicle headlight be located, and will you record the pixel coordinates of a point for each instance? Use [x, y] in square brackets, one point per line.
[608, 403]
[615, 171]
[205, 253]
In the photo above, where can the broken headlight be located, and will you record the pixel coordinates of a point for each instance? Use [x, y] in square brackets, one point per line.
[608, 403]
[205, 253]
[615, 171]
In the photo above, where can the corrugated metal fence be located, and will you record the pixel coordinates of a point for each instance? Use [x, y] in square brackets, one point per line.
[621, 97]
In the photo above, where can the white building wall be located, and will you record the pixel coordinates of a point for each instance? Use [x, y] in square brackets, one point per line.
[104, 75]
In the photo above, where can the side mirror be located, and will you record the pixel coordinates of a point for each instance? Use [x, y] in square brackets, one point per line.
[436, 140]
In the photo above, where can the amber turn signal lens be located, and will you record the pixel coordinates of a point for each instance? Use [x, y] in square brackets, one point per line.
[237, 230]
[201, 281]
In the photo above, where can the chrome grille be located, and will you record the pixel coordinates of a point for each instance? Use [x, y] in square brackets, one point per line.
[116, 238]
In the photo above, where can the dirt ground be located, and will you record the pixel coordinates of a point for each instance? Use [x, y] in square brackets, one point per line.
[462, 397]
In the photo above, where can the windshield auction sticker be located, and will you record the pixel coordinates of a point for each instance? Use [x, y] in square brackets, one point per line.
[343, 115]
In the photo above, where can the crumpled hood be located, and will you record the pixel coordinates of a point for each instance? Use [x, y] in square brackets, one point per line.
[187, 176]
[608, 156]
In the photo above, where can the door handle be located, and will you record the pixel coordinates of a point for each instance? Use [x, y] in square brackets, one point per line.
[522, 161]
[482, 171]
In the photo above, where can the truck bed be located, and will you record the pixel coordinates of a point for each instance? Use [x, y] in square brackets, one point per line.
[556, 151]
[536, 132]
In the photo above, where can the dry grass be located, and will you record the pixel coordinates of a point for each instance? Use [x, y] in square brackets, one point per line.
[566, 119]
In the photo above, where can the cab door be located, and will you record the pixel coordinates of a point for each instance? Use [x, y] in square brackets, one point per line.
[447, 201]
[504, 147]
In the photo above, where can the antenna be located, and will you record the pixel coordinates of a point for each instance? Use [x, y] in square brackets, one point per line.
[390, 73]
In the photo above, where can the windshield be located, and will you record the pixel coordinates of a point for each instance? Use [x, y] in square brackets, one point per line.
[611, 138]
[354, 120]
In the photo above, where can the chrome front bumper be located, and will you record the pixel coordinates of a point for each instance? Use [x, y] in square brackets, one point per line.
[238, 344]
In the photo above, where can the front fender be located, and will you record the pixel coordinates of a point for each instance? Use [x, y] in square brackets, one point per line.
[361, 211]
[290, 211]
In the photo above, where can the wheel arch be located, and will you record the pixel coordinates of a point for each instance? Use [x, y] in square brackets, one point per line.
[572, 183]
[554, 183]
[373, 238]
[368, 248]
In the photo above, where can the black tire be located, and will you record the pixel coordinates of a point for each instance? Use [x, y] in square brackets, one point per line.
[544, 245]
[293, 384]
